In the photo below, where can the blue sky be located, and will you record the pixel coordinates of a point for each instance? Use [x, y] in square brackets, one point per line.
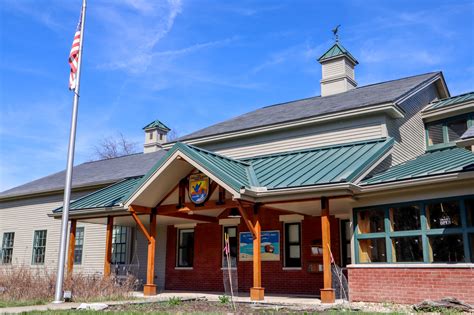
[193, 63]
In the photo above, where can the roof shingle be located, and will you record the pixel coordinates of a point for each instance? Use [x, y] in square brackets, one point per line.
[360, 97]
[89, 173]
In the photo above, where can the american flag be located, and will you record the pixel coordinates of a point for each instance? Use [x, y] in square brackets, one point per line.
[74, 55]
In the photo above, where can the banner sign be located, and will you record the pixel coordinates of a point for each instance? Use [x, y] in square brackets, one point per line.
[270, 246]
[198, 188]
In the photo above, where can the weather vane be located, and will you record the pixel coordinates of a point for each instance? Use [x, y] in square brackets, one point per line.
[334, 31]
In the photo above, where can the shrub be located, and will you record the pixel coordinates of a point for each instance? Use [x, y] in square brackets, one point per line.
[174, 301]
[26, 284]
[224, 299]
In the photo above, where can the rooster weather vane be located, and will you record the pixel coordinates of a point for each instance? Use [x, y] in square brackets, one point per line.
[335, 31]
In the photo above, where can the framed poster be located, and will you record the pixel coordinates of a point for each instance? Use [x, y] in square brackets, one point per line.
[270, 246]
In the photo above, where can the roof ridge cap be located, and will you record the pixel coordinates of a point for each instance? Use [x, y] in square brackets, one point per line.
[214, 153]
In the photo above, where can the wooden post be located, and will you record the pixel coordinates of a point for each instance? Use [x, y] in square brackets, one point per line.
[257, 292]
[327, 293]
[72, 245]
[150, 287]
[108, 246]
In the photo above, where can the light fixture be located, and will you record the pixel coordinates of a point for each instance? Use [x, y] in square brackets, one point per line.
[234, 213]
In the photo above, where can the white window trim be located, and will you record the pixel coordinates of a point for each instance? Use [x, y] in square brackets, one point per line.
[177, 245]
[229, 221]
[291, 218]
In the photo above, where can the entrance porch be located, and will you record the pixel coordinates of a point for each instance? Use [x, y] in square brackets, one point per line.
[282, 241]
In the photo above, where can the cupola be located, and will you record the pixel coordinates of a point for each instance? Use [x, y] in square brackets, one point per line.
[155, 136]
[337, 70]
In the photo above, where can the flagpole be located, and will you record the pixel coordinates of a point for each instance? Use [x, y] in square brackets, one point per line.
[58, 297]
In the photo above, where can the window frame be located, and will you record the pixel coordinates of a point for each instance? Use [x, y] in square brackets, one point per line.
[124, 230]
[7, 248]
[36, 247]
[287, 244]
[224, 228]
[424, 231]
[444, 122]
[178, 247]
[79, 247]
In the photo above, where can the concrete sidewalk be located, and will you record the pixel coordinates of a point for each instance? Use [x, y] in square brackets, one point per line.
[276, 300]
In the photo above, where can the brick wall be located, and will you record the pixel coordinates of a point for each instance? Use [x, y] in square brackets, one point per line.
[206, 274]
[410, 285]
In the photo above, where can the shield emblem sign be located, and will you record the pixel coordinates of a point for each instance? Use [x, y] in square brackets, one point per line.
[198, 188]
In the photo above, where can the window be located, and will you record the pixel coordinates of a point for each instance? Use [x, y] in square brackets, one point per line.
[161, 136]
[119, 245]
[469, 204]
[471, 242]
[371, 221]
[446, 248]
[346, 242]
[456, 128]
[150, 135]
[443, 215]
[446, 132]
[185, 248]
[7, 247]
[372, 250]
[407, 249]
[292, 244]
[430, 231]
[79, 245]
[231, 232]
[435, 134]
[39, 247]
[405, 218]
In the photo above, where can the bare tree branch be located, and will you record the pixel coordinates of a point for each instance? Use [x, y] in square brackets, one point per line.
[112, 147]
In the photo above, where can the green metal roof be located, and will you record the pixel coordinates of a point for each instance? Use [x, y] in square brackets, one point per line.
[450, 101]
[109, 196]
[317, 166]
[323, 165]
[156, 124]
[337, 50]
[438, 162]
[235, 173]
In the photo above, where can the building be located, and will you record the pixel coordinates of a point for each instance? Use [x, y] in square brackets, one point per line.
[378, 177]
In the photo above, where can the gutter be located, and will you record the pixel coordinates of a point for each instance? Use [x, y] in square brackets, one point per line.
[78, 188]
[84, 213]
[405, 183]
[315, 191]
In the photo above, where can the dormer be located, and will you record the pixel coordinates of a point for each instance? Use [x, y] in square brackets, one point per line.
[447, 122]
[155, 136]
[337, 70]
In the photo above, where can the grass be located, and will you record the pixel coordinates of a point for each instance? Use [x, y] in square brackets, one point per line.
[22, 286]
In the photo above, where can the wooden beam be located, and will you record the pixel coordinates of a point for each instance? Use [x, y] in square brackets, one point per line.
[141, 209]
[327, 293]
[257, 292]
[139, 223]
[108, 246]
[263, 206]
[197, 217]
[150, 287]
[71, 248]
[209, 205]
[246, 219]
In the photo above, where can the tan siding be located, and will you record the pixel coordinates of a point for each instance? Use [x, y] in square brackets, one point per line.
[333, 68]
[24, 216]
[408, 132]
[350, 70]
[296, 139]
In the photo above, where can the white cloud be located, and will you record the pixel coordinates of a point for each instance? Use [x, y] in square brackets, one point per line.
[131, 35]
